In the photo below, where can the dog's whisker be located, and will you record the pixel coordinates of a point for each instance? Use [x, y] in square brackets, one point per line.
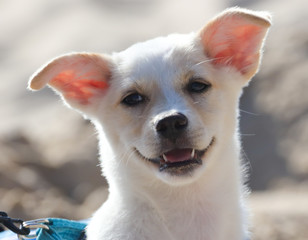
[205, 61]
[125, 157]
[250, 113]
[130, 156]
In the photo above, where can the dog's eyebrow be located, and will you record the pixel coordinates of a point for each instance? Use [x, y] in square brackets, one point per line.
[134, 86]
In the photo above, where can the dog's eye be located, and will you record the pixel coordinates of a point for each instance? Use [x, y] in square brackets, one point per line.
[133, 99]
[198, 87]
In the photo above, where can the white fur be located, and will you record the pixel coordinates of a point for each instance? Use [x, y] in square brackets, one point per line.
[145, 203]
[206, 205]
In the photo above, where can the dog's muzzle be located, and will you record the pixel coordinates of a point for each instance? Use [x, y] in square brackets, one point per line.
[178, 159]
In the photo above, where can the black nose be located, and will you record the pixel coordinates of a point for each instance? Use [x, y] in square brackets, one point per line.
[172, 126]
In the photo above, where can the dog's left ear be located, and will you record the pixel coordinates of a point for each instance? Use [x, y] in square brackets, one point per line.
[80, 78]
[235, 38]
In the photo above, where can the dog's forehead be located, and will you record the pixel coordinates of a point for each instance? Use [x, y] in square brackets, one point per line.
[149, 59]
[159, 45]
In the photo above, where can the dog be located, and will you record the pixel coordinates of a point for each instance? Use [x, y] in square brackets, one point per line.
[166, 111]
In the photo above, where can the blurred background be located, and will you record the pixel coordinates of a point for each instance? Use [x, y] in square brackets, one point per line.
[48, 153]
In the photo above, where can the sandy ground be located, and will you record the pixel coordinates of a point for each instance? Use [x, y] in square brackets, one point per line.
[48, 153]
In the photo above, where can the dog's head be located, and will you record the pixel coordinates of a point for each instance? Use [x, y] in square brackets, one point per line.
[165, 105]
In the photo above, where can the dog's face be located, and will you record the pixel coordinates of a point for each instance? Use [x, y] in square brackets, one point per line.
[163, 106]
[166, 105]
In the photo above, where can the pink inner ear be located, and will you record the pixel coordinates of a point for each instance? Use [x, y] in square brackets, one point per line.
[78, 88]
[233, 41]
[239, 51]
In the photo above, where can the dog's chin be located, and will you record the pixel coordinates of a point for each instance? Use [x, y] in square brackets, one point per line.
[178, 166]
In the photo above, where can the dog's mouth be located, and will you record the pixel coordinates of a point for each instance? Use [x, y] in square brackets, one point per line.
[179, 161]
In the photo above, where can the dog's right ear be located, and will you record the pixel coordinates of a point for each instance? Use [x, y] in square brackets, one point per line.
[235, 38]
[80, 78]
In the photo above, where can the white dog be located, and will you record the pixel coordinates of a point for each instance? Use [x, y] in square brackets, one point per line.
[167, 115]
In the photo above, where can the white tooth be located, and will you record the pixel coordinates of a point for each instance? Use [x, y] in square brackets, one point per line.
[165, 158]
[192, 153]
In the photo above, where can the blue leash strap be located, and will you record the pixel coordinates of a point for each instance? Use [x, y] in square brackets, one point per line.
[61, 229]
[50, 229]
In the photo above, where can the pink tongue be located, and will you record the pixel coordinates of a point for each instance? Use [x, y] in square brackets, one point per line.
[178, 155]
